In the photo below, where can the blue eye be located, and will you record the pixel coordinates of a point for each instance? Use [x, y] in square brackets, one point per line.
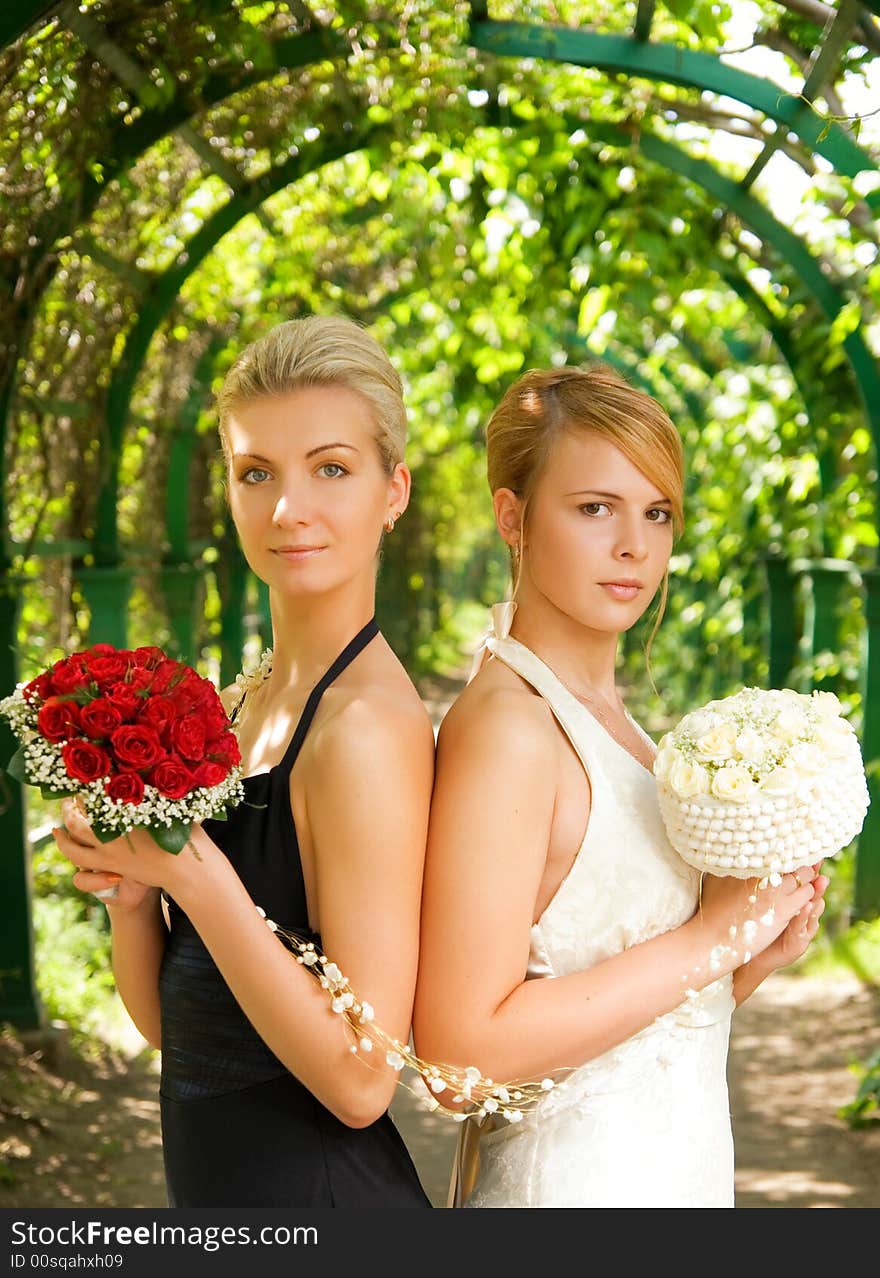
[338, 470]
[249, 475]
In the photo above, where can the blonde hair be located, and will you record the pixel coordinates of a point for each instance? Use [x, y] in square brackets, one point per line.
[320, 350]
[542, 404]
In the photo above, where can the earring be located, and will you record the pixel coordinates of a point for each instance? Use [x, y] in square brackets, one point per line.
[390, 522]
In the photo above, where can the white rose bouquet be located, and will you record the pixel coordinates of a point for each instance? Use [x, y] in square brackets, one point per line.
[761, 782]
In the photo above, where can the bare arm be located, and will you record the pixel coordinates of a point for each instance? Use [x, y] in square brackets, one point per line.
[138, 941]
[494, 793]
[367, 795]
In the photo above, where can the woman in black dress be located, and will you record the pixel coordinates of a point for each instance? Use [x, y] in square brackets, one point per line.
[263, 1102]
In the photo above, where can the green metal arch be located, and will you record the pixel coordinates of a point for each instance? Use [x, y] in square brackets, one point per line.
[157, 304]
[658, 61]
[664, 62]
[673, 64]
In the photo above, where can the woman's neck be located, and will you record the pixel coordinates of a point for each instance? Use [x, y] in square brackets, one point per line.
[584, 659]
[308, 634]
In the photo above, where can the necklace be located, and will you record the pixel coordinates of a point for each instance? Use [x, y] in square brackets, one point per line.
[609, 727]
[596, 709]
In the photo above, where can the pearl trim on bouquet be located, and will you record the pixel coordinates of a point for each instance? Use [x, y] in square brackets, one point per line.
[761, 782]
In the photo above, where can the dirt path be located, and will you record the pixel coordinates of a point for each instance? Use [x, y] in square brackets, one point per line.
[87, 1133]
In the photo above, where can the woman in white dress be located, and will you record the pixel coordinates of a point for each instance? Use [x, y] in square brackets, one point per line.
[547, 854]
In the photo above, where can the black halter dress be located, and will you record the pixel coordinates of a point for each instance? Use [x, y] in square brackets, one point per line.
[238, 1129]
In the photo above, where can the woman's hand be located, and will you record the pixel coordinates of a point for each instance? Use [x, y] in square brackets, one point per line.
[128, 894]
[135, 861]
[794, 941]
[745, 920]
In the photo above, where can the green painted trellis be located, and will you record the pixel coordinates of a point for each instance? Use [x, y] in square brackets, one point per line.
[107, 579]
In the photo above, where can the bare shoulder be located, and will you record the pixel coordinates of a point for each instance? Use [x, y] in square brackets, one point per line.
[500, 713]
[375, 727]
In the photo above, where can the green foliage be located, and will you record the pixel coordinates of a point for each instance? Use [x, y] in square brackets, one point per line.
[864, 1109]
[72, 951]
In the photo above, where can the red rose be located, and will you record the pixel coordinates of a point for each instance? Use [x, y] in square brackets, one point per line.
[58, 719]
[209, 774]
[172, 779]
[168, 674]
[125, 787]
[69, 674]
[147, 656]
[214, 719]
[185, 697]
[85, 761]
[101, 650]
[40, 687]
[125, 699]
[139, 679]
[107, 670]
[136, 746]
[99, 718]
[158, 713]
[188, 738]
[224, 749]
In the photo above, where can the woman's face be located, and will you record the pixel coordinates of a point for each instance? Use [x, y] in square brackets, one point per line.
[598, 534]
[307, 489]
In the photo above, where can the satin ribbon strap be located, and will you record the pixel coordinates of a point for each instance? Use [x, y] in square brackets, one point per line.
[499, 628]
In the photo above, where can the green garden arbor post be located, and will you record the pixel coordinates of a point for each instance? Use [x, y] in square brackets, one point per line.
[867, 884]
[784, 633]
[19, 1001]
[828, 580]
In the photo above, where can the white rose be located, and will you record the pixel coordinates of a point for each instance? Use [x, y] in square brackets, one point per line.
[700, 721]
[751, 746]
[826, 703]
[806, 758]
[733, 784]
[718, 743]
[791, 723]
[688, 779]
[780, 781]
[834, 736]
[665, 759]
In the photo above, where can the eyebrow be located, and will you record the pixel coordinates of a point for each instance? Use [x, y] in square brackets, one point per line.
[322, 448]
[594, 492]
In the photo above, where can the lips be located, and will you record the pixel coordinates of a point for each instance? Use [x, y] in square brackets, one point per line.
[622, 590]
[297, 554]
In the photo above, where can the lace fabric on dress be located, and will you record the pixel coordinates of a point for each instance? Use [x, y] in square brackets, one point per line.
[646, 1124]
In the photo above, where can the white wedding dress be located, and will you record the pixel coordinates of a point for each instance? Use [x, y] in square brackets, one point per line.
[646, 1124]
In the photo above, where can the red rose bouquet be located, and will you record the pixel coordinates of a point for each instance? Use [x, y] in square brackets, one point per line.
[143, 740]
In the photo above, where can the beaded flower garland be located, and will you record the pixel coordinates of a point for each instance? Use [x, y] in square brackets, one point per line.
[479, 1097]
[761, 782]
